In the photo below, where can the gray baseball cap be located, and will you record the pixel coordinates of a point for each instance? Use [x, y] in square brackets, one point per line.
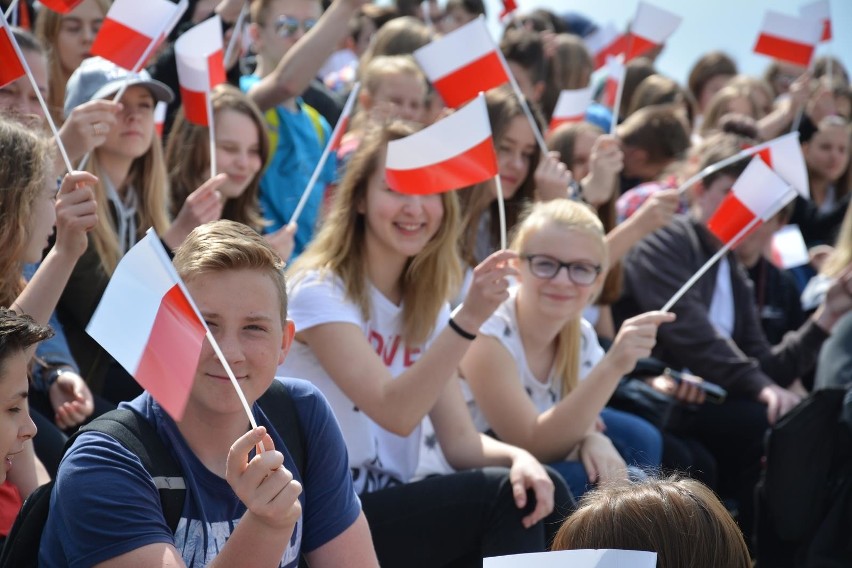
[98, 78]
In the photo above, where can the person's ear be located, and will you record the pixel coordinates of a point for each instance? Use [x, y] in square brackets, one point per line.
[287, 340]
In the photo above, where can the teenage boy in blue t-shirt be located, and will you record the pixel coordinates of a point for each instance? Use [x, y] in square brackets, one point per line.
[241, 508]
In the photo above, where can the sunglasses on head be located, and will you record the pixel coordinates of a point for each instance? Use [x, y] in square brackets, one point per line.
[286, 26]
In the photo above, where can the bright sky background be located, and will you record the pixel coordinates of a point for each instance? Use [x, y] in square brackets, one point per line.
[729, 25]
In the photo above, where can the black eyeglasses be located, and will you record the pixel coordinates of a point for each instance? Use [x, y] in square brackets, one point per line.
[286, 26]
[547, 267]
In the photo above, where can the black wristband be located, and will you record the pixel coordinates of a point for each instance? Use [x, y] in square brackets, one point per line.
[466, 334]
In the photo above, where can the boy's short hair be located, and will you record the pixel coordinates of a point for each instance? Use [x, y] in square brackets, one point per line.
[657, 130]
[18, 332]
[228, 245]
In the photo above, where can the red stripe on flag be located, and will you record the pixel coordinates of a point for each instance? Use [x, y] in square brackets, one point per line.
[509, 6]
[216, 68]
[766, 156]
[556, 122]
[194, 106]
[168, 364]
[826, 30]
[638, 46]
[730, 218]
[617, 47]
[466, 82]
[784, 49]
[121, 44]
[11, 69]
[475, 165]
[61, 6]
[610, 92]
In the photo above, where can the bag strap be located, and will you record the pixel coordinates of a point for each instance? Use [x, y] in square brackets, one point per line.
[279, 407]
[139, 436]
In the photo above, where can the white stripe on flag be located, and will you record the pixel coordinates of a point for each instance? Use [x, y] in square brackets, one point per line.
[806, 31]
[455, 50]
[572, 102]
[447, 138]
[147, 18]
[192, 50]
[760, 189]
[653, 23]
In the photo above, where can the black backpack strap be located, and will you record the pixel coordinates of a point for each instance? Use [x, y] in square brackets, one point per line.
[279, 407]
[139, 436]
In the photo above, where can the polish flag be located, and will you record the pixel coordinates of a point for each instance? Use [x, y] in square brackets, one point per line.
[759, 193]
[200, 65]
[160, 117]
[61, 6]
[462, 63]
[11, 68]
[784, 155]
[651, 27]
[132, 30]
[571, 106]
[343, 122]
[788, 38]
[819, 10]
[150, 326]
[614, 76]
[454, 152]
[509, 6]
[788, 248]
[599, 41]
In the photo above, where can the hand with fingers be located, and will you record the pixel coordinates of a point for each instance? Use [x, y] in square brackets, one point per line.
[605, 164]
[601, 460]
[687, 390]
[778, 400]
[76, 213]
[657, 211]
[488, 289]
[837, 302]
[71, 400]
[635, 340]
[552, 178]
[202, 206]
[265, 487]
[527, 474]
[88, 125]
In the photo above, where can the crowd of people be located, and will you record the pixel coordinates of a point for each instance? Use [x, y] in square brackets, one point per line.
[453, 400]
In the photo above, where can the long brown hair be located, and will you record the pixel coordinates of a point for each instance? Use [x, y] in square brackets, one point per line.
[430, 277]
[188, 158]
[503, 107]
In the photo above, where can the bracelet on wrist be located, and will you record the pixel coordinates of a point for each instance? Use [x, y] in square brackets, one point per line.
[458, 329]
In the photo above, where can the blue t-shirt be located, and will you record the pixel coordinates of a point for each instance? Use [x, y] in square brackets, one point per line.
[296, 153]
[105, 504]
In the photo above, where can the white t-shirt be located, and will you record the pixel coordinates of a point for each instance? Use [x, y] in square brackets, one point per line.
[378, 458]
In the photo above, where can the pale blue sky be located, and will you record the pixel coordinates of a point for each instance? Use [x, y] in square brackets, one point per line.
[730, 25]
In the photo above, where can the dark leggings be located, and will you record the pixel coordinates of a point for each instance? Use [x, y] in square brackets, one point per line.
[456, 520]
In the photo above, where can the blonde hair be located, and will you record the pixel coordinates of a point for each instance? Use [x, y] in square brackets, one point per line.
[571, 216]
[681, 520]
[377, 71]
[430, 277]
[47, 28]
[147, 177]
[227, 245]
[188, 157]
[25, 169]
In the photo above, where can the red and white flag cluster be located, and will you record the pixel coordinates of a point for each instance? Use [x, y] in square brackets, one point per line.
[651, 27]
[571, 106]
[463, 63]
[200, 65]
[788, 38]
[784, 156]
[452, 153]
[757, 195]
[150, 326]
[132, 30]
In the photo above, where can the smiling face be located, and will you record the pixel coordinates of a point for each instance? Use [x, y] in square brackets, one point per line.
[243, 310]
[559, 297]
[515, 151]
[398, 225]
[16, 426]
[237, 151]
[77, 32]
[405, 93]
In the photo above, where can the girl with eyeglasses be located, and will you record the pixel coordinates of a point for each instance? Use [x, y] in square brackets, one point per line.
[539, 379]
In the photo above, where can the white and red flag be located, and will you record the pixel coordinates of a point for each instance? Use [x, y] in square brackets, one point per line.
[651, 27]
[757, 195]
[819, 10]
[199, 54]
[571, 106]
[454, 152]
[601, 43]
[11, 68]
[509, 6]
[788, 38]
[132, 30]
[614, 77]
[160, 117]
[463, 63]
[784, 155]
[61, 6]
[150, 326]
[788, 249]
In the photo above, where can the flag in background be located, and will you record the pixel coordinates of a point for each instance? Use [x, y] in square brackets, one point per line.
[455, 152]
[12, 68]
[651, 27]
[571, 106]
[788, 249]
[61, 6]
[759, 193]
[784, 155]
[147, 323]
[789, 38]
[462, 63]
[132, 28]
[614, 76]
[819, 10]
[200, 65]
[160, 117]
